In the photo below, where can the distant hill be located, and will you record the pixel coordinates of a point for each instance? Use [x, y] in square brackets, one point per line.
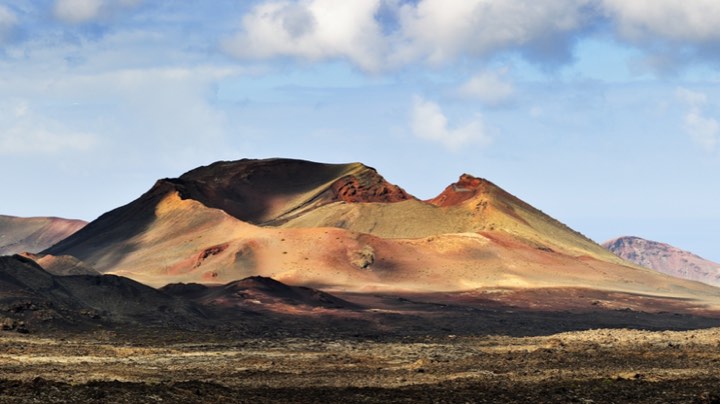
[666, 259]
[34, 234]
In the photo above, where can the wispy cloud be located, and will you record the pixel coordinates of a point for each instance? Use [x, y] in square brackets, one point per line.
[490, 87]
[76, 11]
[25, 132]
[428, 122]
[703, 129]
[81, 11]
[637, 20]
[8, 21]
[440, 31]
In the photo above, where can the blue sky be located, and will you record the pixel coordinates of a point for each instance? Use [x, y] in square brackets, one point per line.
[602, 113]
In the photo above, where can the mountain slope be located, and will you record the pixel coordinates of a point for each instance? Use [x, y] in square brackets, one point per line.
[469, 205]
[666, 259]
[343, 227]
[34, 234]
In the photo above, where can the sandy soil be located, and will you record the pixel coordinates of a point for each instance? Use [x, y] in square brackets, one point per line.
[583, 367]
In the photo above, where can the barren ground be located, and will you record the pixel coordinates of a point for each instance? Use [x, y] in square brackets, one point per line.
[588, 366]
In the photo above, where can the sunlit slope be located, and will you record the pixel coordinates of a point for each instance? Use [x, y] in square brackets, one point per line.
[470, 205]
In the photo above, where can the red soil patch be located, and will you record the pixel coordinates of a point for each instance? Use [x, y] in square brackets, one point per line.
[208, 252]
[369, 186]
[465, 189]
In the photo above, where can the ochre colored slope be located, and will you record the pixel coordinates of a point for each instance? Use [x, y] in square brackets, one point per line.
[470, 205]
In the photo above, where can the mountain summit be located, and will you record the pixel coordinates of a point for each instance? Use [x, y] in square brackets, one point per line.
[275, 190]
[343, 227]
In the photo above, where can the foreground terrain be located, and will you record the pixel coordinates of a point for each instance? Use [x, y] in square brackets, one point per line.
[584, 367]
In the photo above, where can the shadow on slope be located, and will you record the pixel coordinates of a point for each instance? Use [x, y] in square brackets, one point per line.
[41, 300]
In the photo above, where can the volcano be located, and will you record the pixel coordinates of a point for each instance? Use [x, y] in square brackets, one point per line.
[343, 227]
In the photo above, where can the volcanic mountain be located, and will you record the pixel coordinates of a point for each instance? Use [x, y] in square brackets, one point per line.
[343, 227]
[666, 259]
[34, 234]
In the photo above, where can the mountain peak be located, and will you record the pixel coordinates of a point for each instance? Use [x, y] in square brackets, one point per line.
[466, 188]
[272, 190]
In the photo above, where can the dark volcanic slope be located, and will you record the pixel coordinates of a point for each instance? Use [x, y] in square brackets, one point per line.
[257, 291]
[34, 234]
[666, 259]
[30, 294]
[259, 191]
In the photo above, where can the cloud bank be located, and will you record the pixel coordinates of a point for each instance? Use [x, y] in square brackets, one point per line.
[378, 35]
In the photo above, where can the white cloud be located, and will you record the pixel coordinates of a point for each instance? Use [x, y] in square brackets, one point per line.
[696, 20]
[8, 20]
[81, 11]
[430, 123]
[489, 87]
[312, 30]
[379, 35]
[25, 132]
[77, 11]
[702, 129]
[432, 31]
[440, 31]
